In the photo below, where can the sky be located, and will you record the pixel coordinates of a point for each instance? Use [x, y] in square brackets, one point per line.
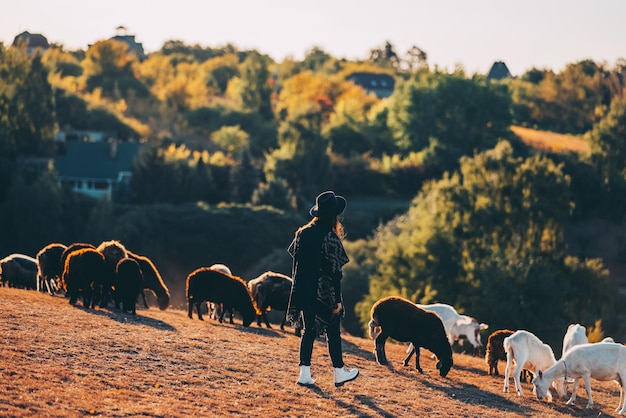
[471, 33]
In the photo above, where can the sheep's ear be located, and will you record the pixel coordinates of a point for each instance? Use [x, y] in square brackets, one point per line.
[438, 365]
[540, 374]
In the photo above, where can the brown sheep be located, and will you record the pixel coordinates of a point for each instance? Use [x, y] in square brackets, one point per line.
[400, 319]
[205, 284]
[83, 272]
[128, 284]
[19, 270]
[113, 251]
[152, 280]
[50, 268]
[271, 289]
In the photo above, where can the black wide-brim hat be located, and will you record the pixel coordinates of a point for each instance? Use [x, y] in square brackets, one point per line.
[328, 204]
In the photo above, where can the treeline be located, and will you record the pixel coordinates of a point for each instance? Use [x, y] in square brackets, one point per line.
[242, 143]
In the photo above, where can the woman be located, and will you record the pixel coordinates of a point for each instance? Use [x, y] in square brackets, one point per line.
[315, 300]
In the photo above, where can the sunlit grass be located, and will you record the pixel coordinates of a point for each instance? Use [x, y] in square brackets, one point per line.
[551, 141]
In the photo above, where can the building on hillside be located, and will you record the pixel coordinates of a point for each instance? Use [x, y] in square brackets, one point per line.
[133, 46]
[381, 85]
[499, 71]
[101, 170]
[33, 42]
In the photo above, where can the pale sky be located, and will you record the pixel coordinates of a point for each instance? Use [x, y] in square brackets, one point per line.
[474, 34]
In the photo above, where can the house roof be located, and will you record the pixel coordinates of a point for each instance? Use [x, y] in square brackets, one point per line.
[93, 160]
[498, 71]
[33, 40]
[381, 84]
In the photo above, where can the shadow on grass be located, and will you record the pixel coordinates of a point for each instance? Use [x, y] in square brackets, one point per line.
[467, 393]
[125, 318]
[349, 409]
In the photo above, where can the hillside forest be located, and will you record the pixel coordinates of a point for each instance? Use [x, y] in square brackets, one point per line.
[446, 201]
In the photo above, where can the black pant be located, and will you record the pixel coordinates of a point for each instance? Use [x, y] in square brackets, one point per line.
[333, 339]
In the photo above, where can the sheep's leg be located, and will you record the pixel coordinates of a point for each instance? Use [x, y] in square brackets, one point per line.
[588, 388]
[417, 358]
[507, 372]
[267, 323]
[283, 322]
[574, 390]
[408, 357]
[516, 376]
[381, 358]
[199, 310]
[190, 308]
[621, 408]
[143, 297]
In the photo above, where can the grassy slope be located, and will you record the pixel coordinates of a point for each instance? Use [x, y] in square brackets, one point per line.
[59, 360]
[551, 141]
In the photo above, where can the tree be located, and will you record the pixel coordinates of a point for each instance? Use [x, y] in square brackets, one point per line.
[32, 112]
[232, 139]
[252, 90]
[302, 158]
[464, 115]
[608, 144]
[385, 56]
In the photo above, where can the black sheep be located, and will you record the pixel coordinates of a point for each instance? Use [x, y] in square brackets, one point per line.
[152, 280]
[402, 320]
[128, 284]
[50, 267]
[271, 290]
[83, 272]
[19, 270]
[205, 284]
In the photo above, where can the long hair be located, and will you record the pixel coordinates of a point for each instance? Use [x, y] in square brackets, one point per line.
[332, 223]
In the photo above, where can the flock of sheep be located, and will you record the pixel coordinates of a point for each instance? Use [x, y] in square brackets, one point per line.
[435, 327]
[110, 272]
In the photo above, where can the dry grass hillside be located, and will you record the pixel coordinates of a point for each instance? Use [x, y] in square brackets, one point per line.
[551, 141]
[59, 360]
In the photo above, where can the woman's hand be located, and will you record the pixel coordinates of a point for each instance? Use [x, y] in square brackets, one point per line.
[337, 309]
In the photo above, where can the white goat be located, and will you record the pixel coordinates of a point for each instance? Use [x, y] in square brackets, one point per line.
[528, 352]
[576, 334]
[458, 326]
[602, 361]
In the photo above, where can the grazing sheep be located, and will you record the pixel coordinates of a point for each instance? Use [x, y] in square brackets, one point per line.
[576, 334]
[128, 283]
[19, 270]
[71, 248]
[458, 326]
[205, 284]
[83, 272]
[495, 352]
[216, 310]
[152, 280]
[601, 361]
[402, 320]
[271, 289]
[113, 251]
[50, 267]
[528, 352]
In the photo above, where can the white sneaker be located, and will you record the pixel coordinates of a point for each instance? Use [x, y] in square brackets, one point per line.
[343, 375]
[305, 378]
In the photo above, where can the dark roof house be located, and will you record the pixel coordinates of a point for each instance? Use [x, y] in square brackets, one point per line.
[499, 71]
[381, 85]
[32, 42]
[133, 46]
[97, 169]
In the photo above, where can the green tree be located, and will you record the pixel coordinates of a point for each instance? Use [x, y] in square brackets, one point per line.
[464, 115]
[302, 157]
[252, 89]
[608, 142]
